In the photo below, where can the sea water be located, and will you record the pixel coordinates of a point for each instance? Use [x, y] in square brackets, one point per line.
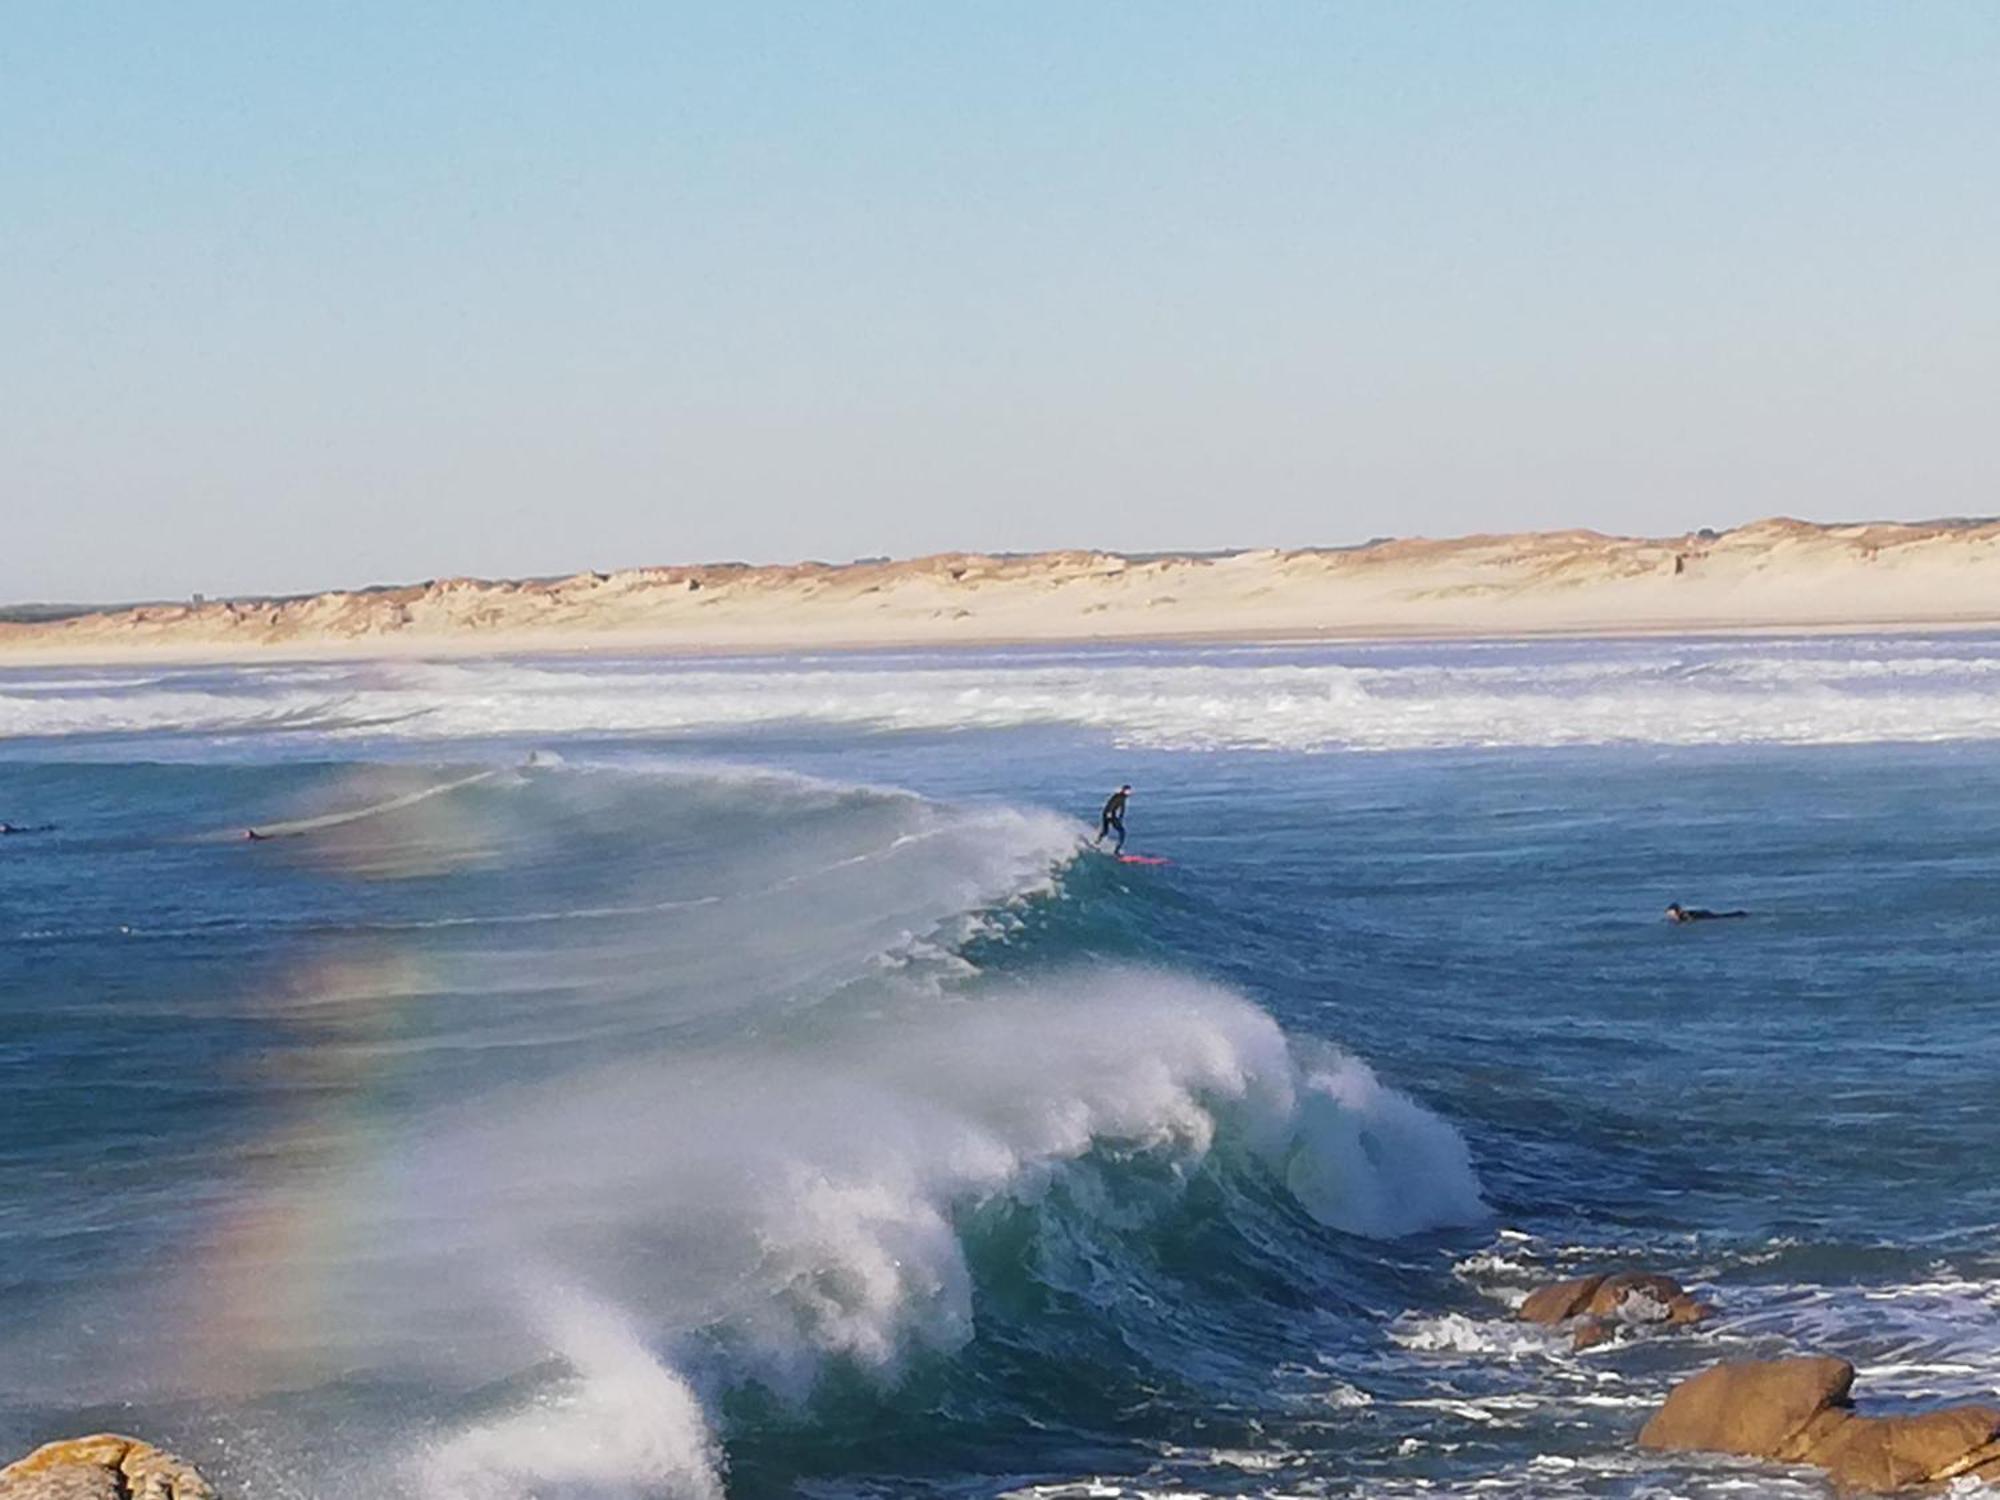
[649, 1078]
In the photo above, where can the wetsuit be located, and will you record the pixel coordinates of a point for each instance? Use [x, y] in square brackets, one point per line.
[1114, 818]
[1698, 914]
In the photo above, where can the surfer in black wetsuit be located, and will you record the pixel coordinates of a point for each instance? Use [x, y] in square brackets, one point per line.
[1113, 819]
[7, 828]
[1680, 915]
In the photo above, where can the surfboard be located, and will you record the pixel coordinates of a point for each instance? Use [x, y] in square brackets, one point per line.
[1142, 859]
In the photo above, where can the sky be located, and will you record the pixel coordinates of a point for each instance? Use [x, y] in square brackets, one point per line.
[317, 295]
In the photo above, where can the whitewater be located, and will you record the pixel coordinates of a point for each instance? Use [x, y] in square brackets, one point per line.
[1810, 690]
[687, 1078]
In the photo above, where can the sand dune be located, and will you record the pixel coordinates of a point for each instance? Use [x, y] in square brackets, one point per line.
[1775, 574]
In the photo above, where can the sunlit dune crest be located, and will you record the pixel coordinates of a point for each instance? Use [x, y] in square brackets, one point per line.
[1776, 574]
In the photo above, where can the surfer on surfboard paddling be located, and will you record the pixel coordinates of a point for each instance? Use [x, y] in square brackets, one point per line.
[1681, 915]
[1113, 819]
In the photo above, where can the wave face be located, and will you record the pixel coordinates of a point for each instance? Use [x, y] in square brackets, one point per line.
[594, 1102]
[1383, 698]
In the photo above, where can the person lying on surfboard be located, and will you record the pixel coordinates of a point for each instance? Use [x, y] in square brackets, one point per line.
[1113, 818]
[1678, 914]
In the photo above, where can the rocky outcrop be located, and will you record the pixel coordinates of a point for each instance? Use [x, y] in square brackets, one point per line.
[106, 1466]
[1798, 1411]
[1599, 1306]
[1754, 1408]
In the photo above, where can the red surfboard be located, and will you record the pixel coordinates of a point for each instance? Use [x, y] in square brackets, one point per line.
[1142, 859]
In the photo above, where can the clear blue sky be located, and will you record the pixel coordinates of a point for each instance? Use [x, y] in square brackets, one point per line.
[306, 295]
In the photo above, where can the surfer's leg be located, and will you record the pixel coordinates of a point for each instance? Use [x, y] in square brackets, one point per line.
[1119, 847]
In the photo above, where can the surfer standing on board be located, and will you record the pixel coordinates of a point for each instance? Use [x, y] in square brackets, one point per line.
[1113, 818]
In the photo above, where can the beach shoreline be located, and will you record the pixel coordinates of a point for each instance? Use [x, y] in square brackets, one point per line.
[1776, 577]
[672, 648]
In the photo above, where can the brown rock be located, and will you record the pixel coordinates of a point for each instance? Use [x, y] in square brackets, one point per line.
[1981, 1463]
[1606, 1302]
[1590, 1332]
[1890, 1453]
[1688, 1309]
[1755, 1408]
[1560, 1301]
[1816, 1434]
[1632, 1296]
[106, 1466]
[1984, 1467]
[1796, 1411]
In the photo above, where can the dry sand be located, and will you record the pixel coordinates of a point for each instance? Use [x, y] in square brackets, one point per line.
[1771, 575]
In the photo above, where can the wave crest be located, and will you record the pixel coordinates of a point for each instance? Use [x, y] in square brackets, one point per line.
[821, 1223]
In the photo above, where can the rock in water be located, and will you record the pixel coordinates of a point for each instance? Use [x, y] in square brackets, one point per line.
[1796, 1411]
[1890, 1453]
[1643, 1297]
[1559, 1301]
[1603, 1304]
[106, 1466]
[1756, 1408]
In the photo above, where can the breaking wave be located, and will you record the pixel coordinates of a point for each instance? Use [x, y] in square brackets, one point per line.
[696, 1086]
[1830, 691]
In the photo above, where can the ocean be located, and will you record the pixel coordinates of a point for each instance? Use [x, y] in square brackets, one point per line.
[681, 1078]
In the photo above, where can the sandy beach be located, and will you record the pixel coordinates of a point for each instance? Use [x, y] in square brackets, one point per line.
[1777, 574]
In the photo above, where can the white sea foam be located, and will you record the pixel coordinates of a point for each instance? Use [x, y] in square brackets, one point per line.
[1827, 692]
[1375, 1161]
[817, 1221]
[624, 1427]
[1455, 1333]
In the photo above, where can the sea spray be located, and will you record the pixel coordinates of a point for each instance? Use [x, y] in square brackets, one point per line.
[1373, 1161]
[828, 1188]
[620, 1426]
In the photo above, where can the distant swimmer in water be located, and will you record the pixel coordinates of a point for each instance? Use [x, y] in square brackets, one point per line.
[1113, 819]
[254, 835]
[1679, 915]
[7, 828]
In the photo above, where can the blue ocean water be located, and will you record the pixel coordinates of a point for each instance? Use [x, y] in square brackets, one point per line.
[656, 1078]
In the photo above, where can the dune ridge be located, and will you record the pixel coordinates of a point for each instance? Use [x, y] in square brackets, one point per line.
[1774, 574]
